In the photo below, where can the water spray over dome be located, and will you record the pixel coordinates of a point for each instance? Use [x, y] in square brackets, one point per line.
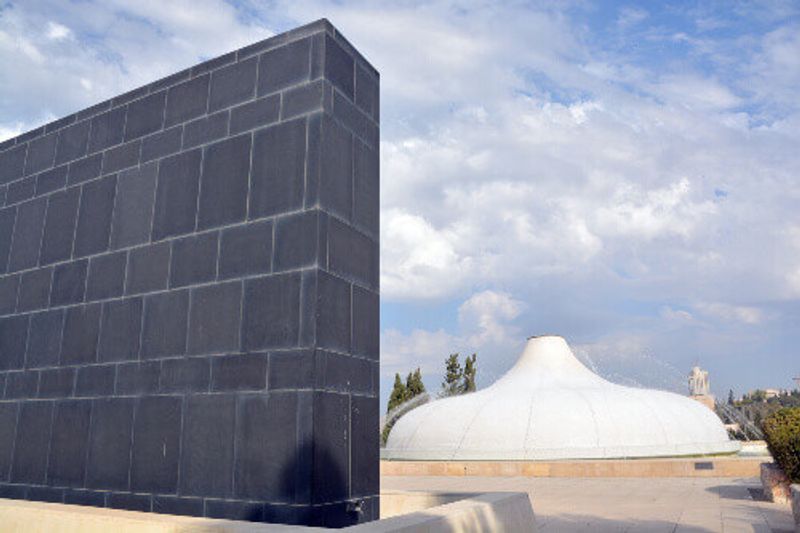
[550, 406]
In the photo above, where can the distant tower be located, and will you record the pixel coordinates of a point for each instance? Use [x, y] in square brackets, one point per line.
[698, 382]
[699, 387]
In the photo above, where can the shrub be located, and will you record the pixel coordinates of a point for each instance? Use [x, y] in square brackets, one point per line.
[782, 431]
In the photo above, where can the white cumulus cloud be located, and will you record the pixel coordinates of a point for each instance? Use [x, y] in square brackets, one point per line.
[56, 31]
[486, 324]
[615, 179]
[724, 311]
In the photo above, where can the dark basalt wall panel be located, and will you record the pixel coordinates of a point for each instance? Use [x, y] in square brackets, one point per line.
[189, 292]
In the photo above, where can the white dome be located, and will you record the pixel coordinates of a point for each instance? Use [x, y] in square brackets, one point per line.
[550, 406]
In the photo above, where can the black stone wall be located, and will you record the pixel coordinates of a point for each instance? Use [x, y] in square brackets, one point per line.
[189, 292]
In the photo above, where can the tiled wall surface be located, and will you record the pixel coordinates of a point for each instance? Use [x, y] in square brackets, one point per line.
[189, 292]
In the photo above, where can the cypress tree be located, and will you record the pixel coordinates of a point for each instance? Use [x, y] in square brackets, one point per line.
[452, 377]
[414, 384]
[470, 369]
[399, 393]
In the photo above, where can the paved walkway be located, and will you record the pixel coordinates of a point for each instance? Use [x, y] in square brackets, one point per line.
[674, 505]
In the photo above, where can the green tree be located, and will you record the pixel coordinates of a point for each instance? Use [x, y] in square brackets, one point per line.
[452, 377]
[470, 369]
[399, 393]
[730, 397]
[414, 384]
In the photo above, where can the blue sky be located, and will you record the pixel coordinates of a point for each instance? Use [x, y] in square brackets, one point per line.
[623, 174]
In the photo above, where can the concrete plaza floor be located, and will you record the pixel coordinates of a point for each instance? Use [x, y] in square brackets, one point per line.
[628, 505]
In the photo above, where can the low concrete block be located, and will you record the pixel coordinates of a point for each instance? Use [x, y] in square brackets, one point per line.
[397, 502]
[502, 512]
[776, 484]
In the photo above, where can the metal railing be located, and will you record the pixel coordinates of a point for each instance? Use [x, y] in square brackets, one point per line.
[732, 415]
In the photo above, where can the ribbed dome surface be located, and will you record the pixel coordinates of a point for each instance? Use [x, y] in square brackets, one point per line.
[550, 406]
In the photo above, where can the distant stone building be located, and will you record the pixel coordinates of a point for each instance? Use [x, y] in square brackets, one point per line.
[698, 382]
[699, 387]
[761, 395]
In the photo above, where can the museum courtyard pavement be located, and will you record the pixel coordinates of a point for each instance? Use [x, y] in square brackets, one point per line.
[631, 505]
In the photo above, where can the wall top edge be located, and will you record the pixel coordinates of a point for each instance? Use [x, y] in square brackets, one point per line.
[276, 41]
